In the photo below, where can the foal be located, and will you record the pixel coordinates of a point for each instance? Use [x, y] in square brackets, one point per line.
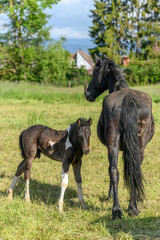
[66, 146]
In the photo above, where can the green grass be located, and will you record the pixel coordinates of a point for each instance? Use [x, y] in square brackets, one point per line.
[22, 105]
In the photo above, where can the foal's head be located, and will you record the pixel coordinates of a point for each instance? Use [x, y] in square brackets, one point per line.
[82, 133]
[106, 75]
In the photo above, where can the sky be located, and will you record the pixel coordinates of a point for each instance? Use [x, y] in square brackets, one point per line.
[71, 19]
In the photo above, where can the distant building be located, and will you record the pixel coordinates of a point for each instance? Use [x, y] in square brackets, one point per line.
[82, 58]
[156, 48]
[125, 60]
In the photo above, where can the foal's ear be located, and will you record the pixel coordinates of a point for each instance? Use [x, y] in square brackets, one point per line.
[90, 121]
[79, 122]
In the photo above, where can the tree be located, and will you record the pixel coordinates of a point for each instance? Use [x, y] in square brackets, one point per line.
[97, 31]
[27, 28]
[122, 27]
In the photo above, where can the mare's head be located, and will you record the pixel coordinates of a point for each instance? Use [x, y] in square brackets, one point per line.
[82, 133]
[106, 75]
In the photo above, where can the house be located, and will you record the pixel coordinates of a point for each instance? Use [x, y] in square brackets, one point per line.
[125, 60]
[82, 58]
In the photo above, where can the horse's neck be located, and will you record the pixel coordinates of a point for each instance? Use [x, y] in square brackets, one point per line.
[116, 81]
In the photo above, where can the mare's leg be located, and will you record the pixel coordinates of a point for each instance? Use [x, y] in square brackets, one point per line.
[110, 194]
[20, 170]
[77, 176]
[112, 140]
[64, 183]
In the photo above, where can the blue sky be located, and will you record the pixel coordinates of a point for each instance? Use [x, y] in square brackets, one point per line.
[71, 19]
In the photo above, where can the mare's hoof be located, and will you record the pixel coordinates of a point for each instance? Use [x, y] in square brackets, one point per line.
[83, 205]
[116, 213]
[132, 211]
[10, 194]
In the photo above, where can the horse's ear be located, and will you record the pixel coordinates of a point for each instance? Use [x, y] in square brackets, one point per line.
[97, 59]
[90, 121]
[79, 122]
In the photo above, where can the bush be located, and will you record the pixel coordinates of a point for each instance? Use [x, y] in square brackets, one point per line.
[142, 73]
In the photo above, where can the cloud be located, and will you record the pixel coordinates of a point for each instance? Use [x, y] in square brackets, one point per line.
[69, 32]
[66, 1]
[70, 18]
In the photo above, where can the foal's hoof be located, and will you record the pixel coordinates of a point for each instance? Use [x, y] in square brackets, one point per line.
[27, 199]
[10, 194]
[132, 211]
[60, 207]
[83, 205]
[116, 213]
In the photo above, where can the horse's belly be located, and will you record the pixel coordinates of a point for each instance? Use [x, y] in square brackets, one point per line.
[52, 154]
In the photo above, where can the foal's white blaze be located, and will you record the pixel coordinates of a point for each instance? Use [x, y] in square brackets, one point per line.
[64, 185]
[27, 196]
[68, 143]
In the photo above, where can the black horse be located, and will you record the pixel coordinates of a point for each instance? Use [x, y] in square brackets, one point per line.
[66, 146]
[126, 123]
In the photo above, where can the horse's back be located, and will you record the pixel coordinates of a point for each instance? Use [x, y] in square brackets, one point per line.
[140, 98]
[112, 107]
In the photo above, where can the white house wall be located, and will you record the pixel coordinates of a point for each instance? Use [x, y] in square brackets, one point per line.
[82, 62]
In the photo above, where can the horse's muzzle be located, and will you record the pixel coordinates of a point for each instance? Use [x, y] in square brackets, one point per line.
[86, 150]
[89, 97]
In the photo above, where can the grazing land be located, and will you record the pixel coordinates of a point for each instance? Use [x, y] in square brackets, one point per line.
[22, 105]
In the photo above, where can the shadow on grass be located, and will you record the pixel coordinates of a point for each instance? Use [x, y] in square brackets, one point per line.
[138, 228]
[43, 192]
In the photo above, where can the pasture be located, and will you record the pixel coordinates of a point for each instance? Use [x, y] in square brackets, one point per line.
[22, 105]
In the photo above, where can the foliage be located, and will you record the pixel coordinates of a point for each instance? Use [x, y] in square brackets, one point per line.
[143, 72]
[120, 27]
[26, 29]
[50, 64]
[40, 219]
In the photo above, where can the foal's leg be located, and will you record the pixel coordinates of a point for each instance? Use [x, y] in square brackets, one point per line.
[77, 176]
[64, 184]
[27, 175]
[20, 169]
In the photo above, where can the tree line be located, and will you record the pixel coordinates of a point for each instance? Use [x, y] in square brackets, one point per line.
[119, 27]
[24, 54]
[129, 27]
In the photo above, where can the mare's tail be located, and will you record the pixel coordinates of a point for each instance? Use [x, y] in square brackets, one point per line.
[130, 143]
[21, 145]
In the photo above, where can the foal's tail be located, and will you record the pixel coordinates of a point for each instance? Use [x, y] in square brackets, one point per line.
[130, 143]
[21, 145]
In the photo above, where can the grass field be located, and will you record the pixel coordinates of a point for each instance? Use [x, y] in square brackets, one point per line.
[22, 105]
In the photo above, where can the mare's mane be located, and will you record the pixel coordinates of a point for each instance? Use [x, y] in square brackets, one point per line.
[107, 65]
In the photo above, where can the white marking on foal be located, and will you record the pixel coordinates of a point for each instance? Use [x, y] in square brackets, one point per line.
[80, 195]
[27, 196]
[12, 186]
[68, 143]
[51, 143]
[15, 179]
[64, 185]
